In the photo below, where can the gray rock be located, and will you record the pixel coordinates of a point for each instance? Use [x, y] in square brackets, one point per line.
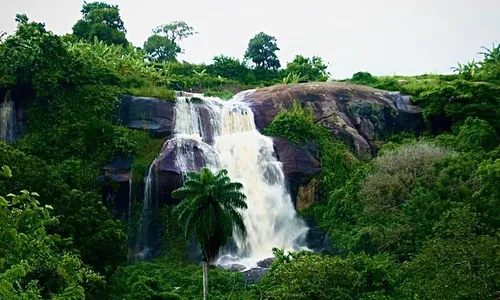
[254, 275]
[233, 267]
[265, 263]
[154, 115]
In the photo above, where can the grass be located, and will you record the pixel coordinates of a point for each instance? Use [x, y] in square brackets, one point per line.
[159, 92]
[224, 95]
[144, 157]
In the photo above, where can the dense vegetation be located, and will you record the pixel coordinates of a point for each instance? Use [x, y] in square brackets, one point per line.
[420, 221]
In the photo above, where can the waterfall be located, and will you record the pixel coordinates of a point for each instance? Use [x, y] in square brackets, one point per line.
[7, 120]
[130, 196]
[145, 219]
[225, 132]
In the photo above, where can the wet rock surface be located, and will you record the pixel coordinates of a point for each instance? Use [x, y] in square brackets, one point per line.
[154, 115]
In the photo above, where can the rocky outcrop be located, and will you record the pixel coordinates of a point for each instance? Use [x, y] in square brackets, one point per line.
[154, 115]
[300, 164]
[168, 168]
[359, 115]
[114, 184]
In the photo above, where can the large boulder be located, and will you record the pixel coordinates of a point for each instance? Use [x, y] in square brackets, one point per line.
[179, 155]
[154, 115]
[360, 115]
[300, 165]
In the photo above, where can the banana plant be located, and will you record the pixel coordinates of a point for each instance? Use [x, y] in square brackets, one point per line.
[200, 76]
[293, 78]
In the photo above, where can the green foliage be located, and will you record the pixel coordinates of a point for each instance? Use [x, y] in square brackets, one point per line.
[175, 31]
[161, 49]
[454, 269]
[313, 69]
[477, 135]
[174, 241]
[145, 156]
[364, 78]
[304, 275]
[262, 51]
[149, 280]
[210, 209]
[82, 217]
[163, 45]
[103, 21]
[298, 126]
[293, 77]
[453, 102]
[224, 95]
[32, 263]
[159, 92]
[228, 67]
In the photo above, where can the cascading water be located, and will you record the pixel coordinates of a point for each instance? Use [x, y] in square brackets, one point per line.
[226, 134]
[7, 120]
[145, 219]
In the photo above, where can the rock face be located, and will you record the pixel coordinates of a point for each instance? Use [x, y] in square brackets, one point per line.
[115, 185]
[13, 115]
[300, 164]
[167, 170]
[154, 115]
[359, 115]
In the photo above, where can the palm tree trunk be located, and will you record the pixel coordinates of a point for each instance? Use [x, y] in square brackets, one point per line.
[205, 280]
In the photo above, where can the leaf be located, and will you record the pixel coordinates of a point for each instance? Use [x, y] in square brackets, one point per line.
[3, 202]
[6, 171]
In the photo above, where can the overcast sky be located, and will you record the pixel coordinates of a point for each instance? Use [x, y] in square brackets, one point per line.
[379, 36]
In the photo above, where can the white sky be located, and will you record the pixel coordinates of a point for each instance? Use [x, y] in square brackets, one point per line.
[379, 36]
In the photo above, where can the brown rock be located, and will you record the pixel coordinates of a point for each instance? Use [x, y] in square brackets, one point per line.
[359, 115]
[307, 194]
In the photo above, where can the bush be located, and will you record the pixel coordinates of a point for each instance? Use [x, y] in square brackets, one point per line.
[153, 280]
[145, 156]
[364, 78]
[309, 276]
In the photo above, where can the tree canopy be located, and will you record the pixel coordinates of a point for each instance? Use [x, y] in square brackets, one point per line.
[103, 21]
[312, 69]
[262, 51]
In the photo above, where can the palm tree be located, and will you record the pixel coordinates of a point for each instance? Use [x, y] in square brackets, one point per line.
[210, 211]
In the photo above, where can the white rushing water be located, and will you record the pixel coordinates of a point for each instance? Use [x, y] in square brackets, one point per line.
[145, 218]
[7, 120]
[225, 133]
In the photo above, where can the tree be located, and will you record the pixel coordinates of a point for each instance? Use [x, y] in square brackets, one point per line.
[175, 31]
[34, 265]
[210, 211]
[163, 45]
[161, 49]
[262, 51]
[228, 67]
[103, 21]
[313, 69]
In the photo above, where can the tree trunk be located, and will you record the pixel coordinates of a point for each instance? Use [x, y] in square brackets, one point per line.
[205, 280]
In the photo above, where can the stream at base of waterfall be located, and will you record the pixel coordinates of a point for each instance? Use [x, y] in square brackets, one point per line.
[225, 133]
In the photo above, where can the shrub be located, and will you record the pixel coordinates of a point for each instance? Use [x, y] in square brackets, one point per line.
[310, 276]
[364, 78]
